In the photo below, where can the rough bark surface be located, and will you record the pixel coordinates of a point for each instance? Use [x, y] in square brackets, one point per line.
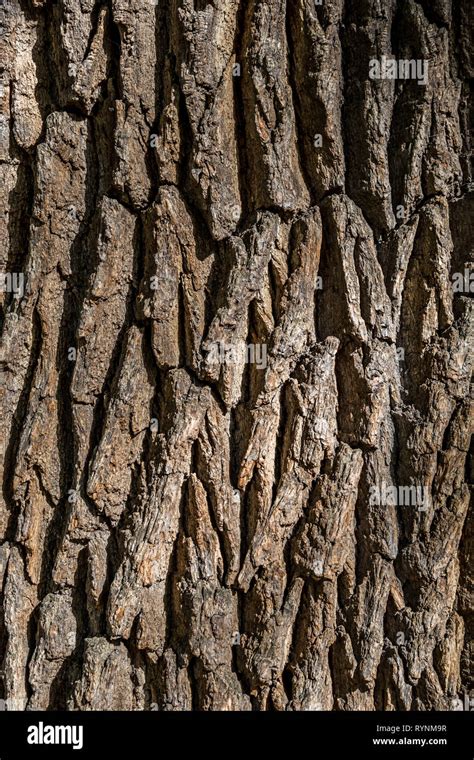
[180, 533]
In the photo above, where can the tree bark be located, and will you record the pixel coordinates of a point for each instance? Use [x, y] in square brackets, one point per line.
[237, 352]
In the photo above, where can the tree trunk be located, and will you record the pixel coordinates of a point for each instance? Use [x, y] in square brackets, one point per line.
[237, 349]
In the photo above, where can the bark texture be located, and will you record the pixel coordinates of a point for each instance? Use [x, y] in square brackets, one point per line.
[184, 533]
